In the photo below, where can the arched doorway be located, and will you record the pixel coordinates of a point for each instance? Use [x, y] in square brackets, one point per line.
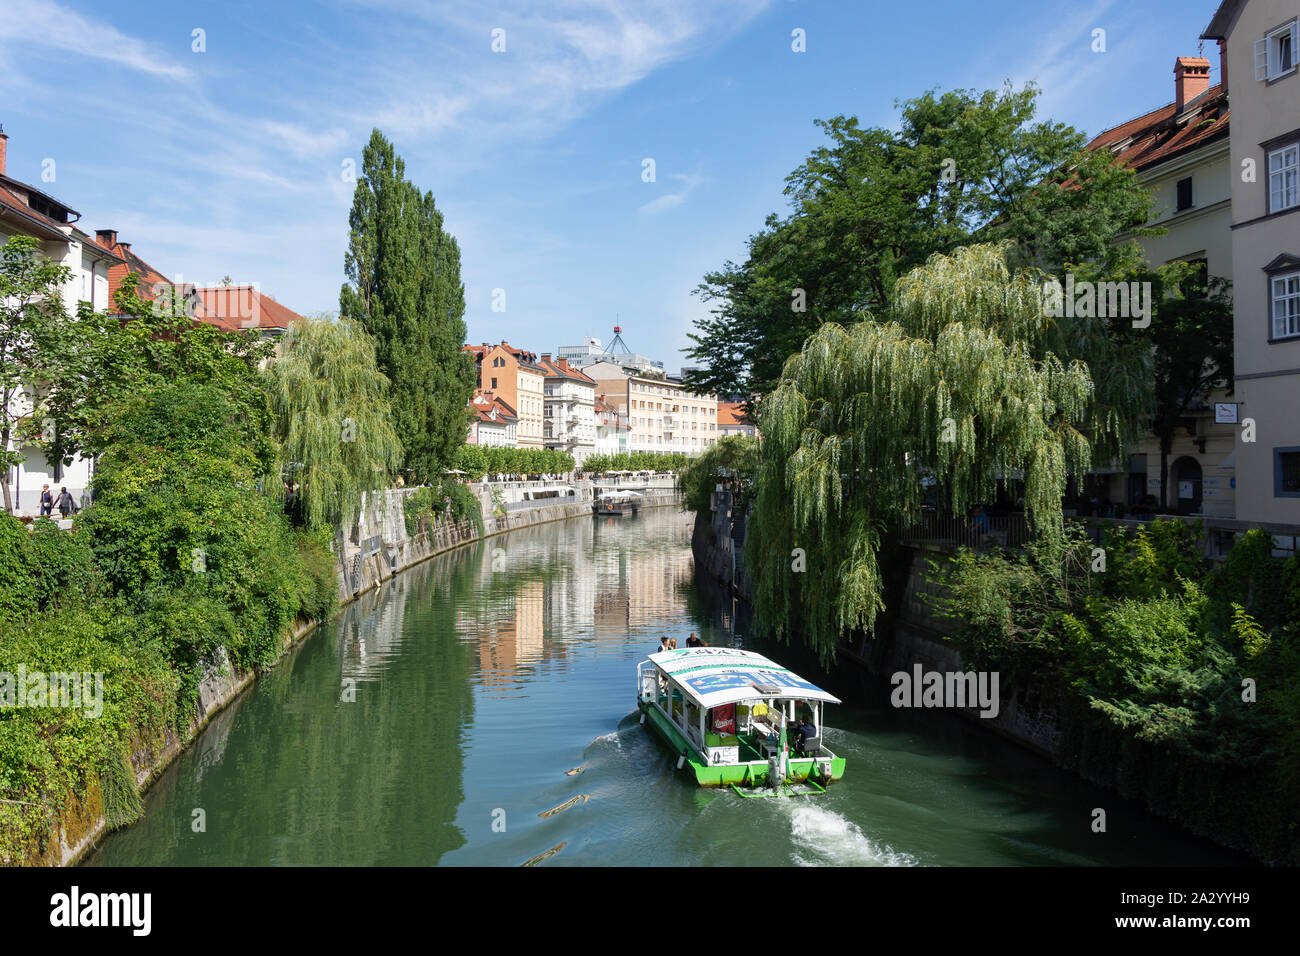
[1187, 485]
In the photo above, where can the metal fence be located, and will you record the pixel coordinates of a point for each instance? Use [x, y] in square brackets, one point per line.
[952, 531]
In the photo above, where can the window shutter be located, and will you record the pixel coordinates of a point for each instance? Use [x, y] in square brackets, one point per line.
[1295, 38]
[1261, 59]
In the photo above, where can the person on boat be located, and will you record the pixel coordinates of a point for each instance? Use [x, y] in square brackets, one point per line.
[694, 641]
[806, 732]
[663, 645]
[672, 643]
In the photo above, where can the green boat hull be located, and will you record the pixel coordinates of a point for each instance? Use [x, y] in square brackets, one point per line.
[798, 769]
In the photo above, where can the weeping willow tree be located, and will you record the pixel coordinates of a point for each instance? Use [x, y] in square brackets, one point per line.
[965, 384]
[332, 418]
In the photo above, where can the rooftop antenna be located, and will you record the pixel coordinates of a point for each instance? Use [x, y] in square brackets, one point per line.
[618, 340]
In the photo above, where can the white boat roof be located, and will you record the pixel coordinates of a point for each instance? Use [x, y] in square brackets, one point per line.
[713, 676]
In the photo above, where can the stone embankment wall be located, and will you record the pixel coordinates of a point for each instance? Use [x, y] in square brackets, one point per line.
[377, 548]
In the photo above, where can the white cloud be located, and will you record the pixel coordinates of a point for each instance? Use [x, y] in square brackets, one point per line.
[664, 202]
[45, 23]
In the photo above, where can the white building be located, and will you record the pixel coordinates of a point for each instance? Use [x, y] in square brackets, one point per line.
[494, 424]
[569, 422]
[27, 211]
[663, 415]
[1261, 43]
[612, 429]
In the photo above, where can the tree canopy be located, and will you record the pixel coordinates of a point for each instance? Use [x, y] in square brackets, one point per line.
[332, 418]
[404, 288]
[966, 384]
[873, 203]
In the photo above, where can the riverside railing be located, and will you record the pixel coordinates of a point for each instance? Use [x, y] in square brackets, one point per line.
[946, 530]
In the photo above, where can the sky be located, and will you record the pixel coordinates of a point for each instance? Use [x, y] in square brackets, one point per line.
[217, 138]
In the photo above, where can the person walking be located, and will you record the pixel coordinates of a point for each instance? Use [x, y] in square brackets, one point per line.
[47, 501]
[64, 502]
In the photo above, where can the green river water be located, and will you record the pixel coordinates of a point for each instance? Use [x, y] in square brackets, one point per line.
[483, 675]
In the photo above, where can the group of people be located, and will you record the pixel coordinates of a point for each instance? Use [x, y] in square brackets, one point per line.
[670, 643]
[63, 501]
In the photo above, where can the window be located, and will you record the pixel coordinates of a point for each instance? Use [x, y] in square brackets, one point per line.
[1286, 472]
[1284, 178]
[1184, 194]
[1286, 305]
[494, 384]
[1275, 54]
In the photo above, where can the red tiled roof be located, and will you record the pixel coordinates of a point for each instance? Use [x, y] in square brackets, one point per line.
[1158, 136]
[236, 307]
[732, 414]
[561, 368]
[526, 359]
[483, 405]
[151, 280]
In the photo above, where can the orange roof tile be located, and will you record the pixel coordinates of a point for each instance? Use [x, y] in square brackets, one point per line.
[236, 307]
[1158, 136]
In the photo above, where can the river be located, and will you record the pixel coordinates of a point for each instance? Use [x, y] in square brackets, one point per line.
[433, 722]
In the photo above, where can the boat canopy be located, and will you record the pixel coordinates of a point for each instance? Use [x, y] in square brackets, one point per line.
[713, 676]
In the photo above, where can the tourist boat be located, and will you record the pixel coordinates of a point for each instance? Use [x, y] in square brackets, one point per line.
[730, 716]
[617, 503]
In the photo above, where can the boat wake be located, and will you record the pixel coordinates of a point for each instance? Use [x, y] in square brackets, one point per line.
[824, 838]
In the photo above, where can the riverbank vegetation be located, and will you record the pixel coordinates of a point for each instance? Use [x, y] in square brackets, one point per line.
[447, 500]
[1172, 681]
[962, 382]
[186, 563]
[732, 459]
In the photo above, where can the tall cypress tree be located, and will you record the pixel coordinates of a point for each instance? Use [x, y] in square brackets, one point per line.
[404, 288]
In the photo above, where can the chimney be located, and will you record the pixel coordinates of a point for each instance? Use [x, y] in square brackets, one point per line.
[106, 237]
[1191, 79]
[546, 356]
[4, 139]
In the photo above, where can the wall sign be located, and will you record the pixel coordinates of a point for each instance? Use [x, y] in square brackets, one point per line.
[1225, 413]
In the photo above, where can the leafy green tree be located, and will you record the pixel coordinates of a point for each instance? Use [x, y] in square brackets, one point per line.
[873, 203]
[404, 288]
[189, 538]
[332, 418]
[101, 359]
[31, 319]
[967, 384]
[734, 456]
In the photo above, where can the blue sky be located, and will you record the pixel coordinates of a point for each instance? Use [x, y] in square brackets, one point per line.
[230, 161]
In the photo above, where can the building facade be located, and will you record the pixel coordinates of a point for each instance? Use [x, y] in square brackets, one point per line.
[733, 420]
[663, 416]
[494, 423]
[1261, 40]
[1181, 153]
[569, 409]
[612, 429]
[513, 375]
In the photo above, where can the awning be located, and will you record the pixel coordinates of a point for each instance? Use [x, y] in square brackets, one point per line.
[713, 676]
